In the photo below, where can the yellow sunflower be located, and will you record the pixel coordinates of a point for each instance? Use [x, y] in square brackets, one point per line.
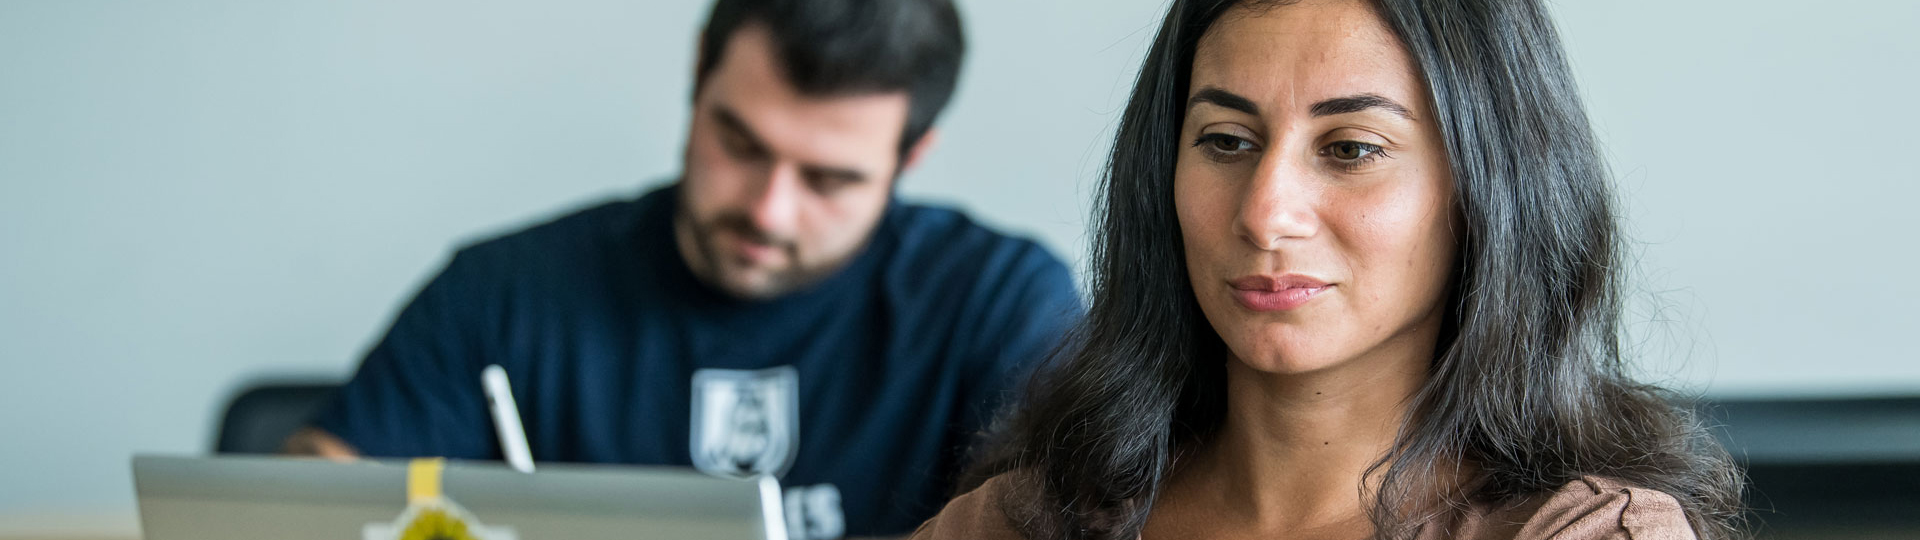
[436, 524]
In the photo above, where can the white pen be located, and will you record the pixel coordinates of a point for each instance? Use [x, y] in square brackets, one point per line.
[506, 418]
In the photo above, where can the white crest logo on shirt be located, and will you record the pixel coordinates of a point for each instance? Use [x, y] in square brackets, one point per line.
[746, 423]
[813, 513]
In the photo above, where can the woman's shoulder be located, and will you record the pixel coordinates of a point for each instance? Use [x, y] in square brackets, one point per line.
[975, 514]
[1588, 508]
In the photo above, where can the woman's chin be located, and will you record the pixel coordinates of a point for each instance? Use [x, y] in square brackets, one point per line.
[1285, 362]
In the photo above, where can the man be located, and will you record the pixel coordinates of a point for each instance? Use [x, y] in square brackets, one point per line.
[776, 311]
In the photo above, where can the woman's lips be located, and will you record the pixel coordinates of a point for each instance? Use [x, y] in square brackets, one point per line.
[1276, 293]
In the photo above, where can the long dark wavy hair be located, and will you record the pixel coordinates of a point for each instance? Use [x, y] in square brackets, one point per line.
[1528, 387]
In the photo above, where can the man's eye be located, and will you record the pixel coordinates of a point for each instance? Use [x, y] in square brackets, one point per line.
[738, 145]
[825, 184]
[1351, 151]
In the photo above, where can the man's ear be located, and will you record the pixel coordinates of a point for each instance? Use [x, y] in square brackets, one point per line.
[698, 57]
[919, 150]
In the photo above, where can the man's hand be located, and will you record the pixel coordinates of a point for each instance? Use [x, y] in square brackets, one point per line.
[316, 442]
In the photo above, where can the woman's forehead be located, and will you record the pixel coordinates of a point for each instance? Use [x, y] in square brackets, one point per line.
[1287, 57]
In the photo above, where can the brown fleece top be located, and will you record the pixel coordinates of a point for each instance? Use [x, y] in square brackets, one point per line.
[1590, 508]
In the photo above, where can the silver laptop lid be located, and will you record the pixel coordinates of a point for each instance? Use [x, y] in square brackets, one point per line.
[222, 498]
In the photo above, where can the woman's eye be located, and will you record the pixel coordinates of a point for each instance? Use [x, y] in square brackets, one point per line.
[1220, 143]
[1229, 144]
[1351, 151]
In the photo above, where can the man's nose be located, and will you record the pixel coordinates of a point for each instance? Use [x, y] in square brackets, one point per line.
[775, 209]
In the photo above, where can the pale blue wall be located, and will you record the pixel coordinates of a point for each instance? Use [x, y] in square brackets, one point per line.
[198, 193]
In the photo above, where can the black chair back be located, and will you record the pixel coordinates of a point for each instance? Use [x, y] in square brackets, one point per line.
[1826, 468]
[261, 418]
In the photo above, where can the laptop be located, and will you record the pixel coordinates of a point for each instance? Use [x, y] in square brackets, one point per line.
[248, 498]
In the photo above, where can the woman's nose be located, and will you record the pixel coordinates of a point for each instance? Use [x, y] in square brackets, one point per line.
[1279, 203]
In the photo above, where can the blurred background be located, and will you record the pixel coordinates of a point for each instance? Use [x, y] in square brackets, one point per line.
[198, 196]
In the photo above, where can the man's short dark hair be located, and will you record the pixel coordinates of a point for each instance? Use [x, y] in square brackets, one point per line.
[850, 47]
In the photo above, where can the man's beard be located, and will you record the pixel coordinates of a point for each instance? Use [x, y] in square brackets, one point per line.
[714, 265]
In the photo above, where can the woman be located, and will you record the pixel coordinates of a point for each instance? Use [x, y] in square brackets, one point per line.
[1356, 278]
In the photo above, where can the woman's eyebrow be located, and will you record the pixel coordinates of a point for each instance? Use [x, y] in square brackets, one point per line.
[1359, 102]
[1223, 98]
[1340, 105]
